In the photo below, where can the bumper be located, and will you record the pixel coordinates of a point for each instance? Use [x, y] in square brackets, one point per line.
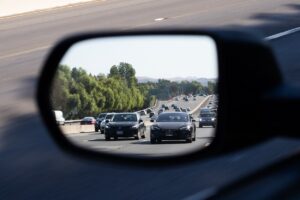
[121, 133]
[207, 123]
[170, 134]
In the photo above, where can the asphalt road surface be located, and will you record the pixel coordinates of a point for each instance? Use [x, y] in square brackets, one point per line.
[32, 165]
[143, 147]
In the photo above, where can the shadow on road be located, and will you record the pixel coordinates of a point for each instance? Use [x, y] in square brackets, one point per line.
[111, 140]
[162, 142]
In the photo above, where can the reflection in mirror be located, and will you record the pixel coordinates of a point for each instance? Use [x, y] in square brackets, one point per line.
[138, 95]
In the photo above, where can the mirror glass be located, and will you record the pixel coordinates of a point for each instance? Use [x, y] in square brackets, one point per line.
[138, 95]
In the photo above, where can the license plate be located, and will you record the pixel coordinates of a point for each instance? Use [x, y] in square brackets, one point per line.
[169, 133]
[119, 132]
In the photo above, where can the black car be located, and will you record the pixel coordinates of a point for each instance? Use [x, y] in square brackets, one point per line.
[125, 125]
[177, 109]
[173, 126]
[99, 119]
[151, 114]
[207, 119]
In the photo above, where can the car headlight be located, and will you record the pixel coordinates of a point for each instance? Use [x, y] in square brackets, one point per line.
[135, 126]
[213, 119]
[107, 126]
[200, 119]
[155, 128]
[185, 128]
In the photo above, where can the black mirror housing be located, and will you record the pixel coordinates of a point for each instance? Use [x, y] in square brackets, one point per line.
[246, 66]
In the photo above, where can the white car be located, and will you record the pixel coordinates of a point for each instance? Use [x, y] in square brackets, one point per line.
[59, 117]
[109, 117]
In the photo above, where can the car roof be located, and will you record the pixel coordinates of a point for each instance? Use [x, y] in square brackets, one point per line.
[164, 113]
[127, 113]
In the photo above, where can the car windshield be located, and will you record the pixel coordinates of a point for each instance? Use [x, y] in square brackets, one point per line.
[110, 116]
[206, 111]
[172, 117]
[125, 118]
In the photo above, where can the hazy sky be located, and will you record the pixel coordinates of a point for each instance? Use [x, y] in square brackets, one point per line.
[151, 56]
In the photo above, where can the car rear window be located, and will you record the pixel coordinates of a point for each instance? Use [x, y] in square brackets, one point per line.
[125, 118]
[110, 116]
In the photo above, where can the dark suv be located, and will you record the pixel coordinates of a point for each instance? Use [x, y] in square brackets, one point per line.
[207, 118]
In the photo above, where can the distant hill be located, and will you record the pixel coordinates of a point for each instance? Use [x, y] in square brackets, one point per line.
[203, 81]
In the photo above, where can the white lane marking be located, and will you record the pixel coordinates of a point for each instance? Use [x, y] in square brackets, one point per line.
[272, 37]
[284, 33]
[25, 52]
[160, 19]
[203, 194]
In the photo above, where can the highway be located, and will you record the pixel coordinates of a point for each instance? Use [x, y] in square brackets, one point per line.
[143, 147]
[33, 166]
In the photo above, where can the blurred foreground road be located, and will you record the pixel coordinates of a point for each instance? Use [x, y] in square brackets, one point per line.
[32, 167]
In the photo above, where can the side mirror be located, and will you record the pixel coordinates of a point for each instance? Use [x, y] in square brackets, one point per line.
[140, 121]
[107, 120]
[214, 56]
[193, 120]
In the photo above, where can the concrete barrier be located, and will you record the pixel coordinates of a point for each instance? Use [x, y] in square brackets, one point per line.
[77, 128]
[200, 105]
[17, 7]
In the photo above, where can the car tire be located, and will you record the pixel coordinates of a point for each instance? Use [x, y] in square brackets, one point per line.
[137, 137]
[115, 137]
[152, 141]
[107, 138]
[144, 135]
[200, 126]
[189, 139]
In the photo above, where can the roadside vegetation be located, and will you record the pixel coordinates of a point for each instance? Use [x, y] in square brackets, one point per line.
[78, 93]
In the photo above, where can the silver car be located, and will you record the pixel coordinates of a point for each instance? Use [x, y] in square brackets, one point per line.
[108, 117]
